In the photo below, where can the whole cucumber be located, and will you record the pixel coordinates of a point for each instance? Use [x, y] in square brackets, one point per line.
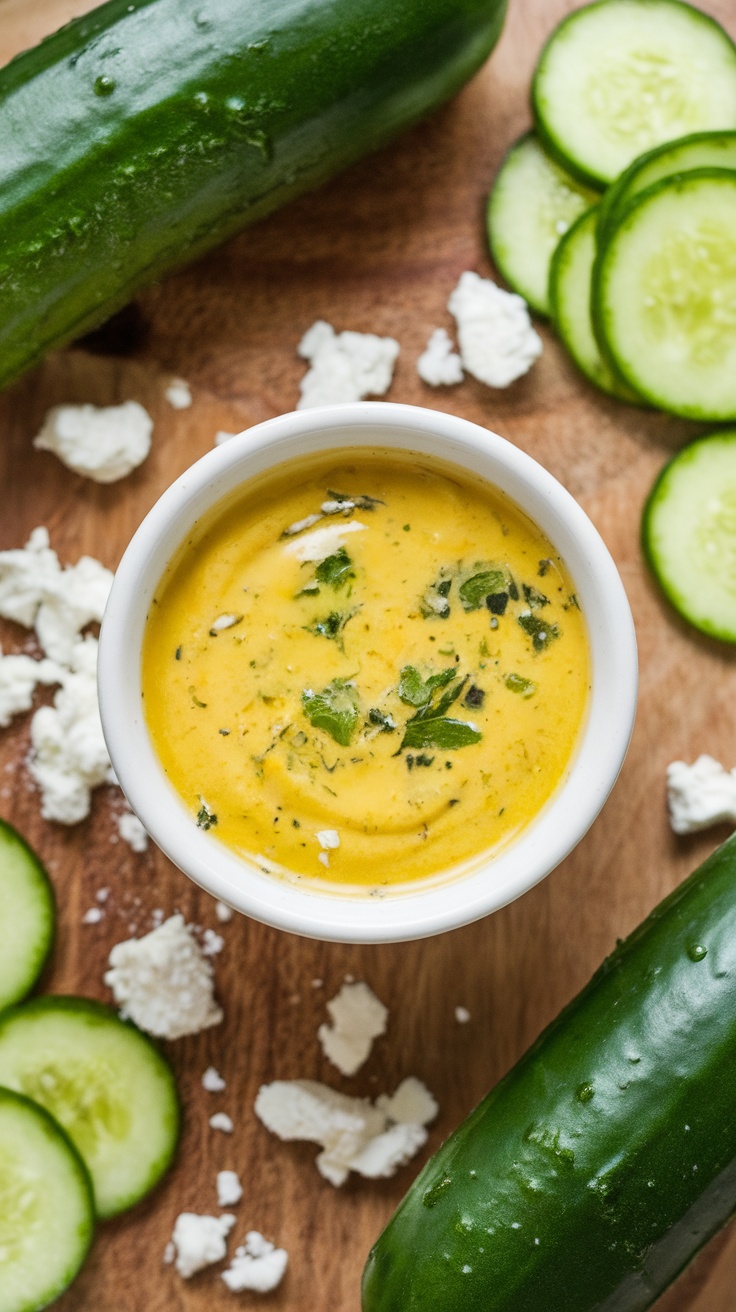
[141, 135]
[606, 1158]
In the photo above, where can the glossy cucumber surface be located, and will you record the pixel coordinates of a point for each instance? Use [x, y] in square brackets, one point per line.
[145, 133]
[592, 1174]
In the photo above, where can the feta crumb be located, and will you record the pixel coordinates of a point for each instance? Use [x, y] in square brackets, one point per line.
[328, 838]
[199, 1241]
[322, 542]
[700, 795]
[344, 366]
[221, 1121]
[93, 916]
[462, 1015]
[212, 1081]
[411, 1104]
[169, 1253]
[178, 394]
[68, 753]
[212, 943]
[440, 365]
[224, 622]
[78, 598]
[299, 525]
[324, 857]
[354, 1134]
[497, 341]
[102, 894]
[229, 1189]
[132, 831]
[221, 436]
[163, 983]
[358, 1017]
[223, 912]
[19, 676]
[26, 573]
[257, 1265]
[104, 443]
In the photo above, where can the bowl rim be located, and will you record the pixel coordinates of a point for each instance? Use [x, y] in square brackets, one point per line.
[430, 906]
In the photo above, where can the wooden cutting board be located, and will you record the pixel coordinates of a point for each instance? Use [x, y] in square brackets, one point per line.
[378, 250]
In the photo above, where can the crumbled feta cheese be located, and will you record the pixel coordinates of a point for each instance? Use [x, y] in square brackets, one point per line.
[700, 795]
[497, 341]
[212, 1081]
[224, 622]
[221, 1121]
[132, 831]
[78, 598]
[358, 1017]
[344, 1127]
[199, 1241]
[178, 394]
[102, 894]
[229, 1189]
[412, 1104]
[257, 1265]
[221, 436]
[344, 366]
[93, 916]
[212, 943]
[299, 525]
[103, 443]
[68, 753]
[27, 575]
[223, 912]
[19, 676]
[322, 542]
[324, 858]
[462, 1015]
[328, 838]
[163, 983]
[440, 365]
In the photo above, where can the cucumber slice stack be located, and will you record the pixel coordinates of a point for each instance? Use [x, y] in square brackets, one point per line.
[642, 291]
[89, 1113]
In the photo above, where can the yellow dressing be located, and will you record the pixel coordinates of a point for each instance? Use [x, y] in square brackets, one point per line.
[369, 691]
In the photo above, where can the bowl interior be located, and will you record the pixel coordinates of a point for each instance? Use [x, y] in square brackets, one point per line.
[414, 909]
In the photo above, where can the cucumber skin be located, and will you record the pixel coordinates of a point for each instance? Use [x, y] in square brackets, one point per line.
[220, 113]
[45, 946]
[576, 1174]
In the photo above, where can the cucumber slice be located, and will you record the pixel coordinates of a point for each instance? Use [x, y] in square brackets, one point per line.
[28, 919]
[533, 202]
[106, 1084]
[701, 150]
[664, 295]
[569, 292]
[621, 76]
[47, 1215]
[689, 533]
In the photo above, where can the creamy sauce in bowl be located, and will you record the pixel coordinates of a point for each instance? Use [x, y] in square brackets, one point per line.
[366, 668]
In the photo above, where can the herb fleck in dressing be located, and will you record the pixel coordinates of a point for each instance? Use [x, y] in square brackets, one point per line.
[400, 663]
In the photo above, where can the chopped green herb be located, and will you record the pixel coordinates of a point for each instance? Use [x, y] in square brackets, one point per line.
[483, 648]
[363, 502]
[416, 691]
[205, 818]
[517, 683]
[310, 589]
[441, 732]
[334, 709]
[513, 591]
[533, 597]
[407, 528]
[335, 571]
[497, 602]
[195, 699]
[421, 760]
[296, 824]
[540, 633]
[225, 732]
[544, 567]
[177, 654]
[474, 590]
[434, 603]
[385, 723]
[573, 601]
[474, 697]
[330, 626]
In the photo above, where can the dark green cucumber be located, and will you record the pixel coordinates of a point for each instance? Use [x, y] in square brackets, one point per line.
[147, 132]
[606, 1158]
[28, 919]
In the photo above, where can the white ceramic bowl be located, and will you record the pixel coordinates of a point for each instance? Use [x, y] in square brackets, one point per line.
[413, 910]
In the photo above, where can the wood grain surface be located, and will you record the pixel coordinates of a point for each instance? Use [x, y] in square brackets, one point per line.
[378, 250]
